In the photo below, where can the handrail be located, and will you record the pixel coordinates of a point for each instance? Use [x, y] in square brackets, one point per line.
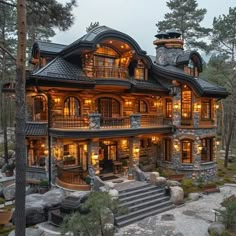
[110, 72]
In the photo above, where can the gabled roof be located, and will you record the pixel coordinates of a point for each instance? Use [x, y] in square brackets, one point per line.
[36, 129]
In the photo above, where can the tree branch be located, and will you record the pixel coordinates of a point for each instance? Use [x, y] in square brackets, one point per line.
[7, 3]
[7, 51]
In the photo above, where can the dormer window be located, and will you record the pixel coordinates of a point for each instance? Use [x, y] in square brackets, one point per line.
[193, 70]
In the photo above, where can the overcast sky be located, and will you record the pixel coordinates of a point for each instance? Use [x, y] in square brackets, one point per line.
[136, 18]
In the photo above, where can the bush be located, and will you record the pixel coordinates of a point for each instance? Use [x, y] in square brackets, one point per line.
[229, 214]
[2, 200]
[43, 183]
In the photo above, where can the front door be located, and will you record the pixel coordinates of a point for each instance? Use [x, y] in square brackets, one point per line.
[107, 154]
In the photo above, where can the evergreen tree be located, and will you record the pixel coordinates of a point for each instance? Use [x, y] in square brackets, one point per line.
[185, 16]
[91, 26]
[224, 42]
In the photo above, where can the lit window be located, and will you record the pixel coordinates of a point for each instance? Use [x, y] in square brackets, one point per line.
[186, 151]
[141, 106]
[206, 152]
[206, 109]
[186, 103]
[167, 149]
[71, 107]
[169, 108]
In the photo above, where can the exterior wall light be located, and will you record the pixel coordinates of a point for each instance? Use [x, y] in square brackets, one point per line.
[155, 139]
[217, 106]
[87, 101]
[57, 100]
[176, 106]
[217, 143]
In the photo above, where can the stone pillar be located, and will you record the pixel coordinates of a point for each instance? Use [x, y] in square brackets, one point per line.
[177, 107]
[135, 121]
[134, 151]
[196, 118]
[94, 121]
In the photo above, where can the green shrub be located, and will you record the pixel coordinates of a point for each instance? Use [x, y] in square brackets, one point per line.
[43, 183]
[229, 214]
[2, 200]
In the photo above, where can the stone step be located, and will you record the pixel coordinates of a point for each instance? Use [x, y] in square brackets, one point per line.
[136, 191]
[142, 215]
[146, 201]
[139, 195]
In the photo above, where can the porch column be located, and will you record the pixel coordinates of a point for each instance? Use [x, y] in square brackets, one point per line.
[134, 151]
[93, 154]
[135, 121]
[94, 121]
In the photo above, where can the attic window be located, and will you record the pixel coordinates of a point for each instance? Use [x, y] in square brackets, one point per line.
[192, 68]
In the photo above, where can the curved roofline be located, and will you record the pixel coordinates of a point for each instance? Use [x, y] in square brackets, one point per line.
[96, 35]
[189, 80]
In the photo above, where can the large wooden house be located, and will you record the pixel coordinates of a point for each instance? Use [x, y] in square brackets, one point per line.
[103, 101]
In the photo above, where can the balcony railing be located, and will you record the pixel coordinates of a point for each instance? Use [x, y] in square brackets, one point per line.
[110, 72]
[95, 121]
[70, 122]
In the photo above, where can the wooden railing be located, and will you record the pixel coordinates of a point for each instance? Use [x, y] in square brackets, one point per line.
[110, 72]
[70, 122]
[151, 120]
[71, 175]
[120, 122]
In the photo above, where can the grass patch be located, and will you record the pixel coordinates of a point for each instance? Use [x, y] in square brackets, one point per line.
[226, 175]
[5, 230]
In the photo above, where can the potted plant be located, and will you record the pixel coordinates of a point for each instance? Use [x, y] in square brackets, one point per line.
[2, 201]
[43, 186]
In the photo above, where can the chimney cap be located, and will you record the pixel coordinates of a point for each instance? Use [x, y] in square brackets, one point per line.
[162, 35]
[173, 33]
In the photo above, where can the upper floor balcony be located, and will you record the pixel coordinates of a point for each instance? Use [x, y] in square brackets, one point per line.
[96, 121]
[110, 72]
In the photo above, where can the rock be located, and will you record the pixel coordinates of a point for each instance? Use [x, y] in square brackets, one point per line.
[9, 192]
[114, 194]
[2, 162]
[216, 228]
[53, 197]
[110, 185]
[177, 195]
[194, 196]
[97, 183]
[172, 183]
[139, 175]
[35, 215]
[153, 177]
[161, 181]
[29, 232]
[108, 220]
[1, 189]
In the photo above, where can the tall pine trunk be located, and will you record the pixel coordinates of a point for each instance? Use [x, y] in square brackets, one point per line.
[20, 120]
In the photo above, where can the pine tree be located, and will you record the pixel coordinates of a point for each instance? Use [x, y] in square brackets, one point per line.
[224, 42]
[185, 16]
[92, 25]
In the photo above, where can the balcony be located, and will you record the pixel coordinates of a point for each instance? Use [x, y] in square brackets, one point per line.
[95, 121]
[110, 72]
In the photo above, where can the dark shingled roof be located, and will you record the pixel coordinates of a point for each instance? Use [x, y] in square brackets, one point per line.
[50, 48]
[61, 69]
[36, 129]
[151, 85]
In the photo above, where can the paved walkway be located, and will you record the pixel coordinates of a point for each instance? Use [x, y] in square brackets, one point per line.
[191, 219]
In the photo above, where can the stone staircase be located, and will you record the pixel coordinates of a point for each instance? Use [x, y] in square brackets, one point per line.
[141, 202]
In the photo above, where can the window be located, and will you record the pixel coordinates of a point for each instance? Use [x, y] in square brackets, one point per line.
[186, 151]
[139, 72]
[192, 68]
[71, 107]
[40, 109]
[169, 108]
[108, 107]
[206, 109]
[141, 106]
[186, 103]
[206, 152]
[167, 149]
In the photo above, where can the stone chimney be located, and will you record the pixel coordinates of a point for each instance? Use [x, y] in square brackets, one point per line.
[169, 46]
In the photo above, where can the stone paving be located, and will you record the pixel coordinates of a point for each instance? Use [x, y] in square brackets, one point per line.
[191, 219]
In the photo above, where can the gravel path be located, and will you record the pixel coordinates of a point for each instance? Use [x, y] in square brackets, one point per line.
[191, 219]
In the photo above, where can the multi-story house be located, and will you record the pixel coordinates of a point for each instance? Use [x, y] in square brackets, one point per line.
[103, 101]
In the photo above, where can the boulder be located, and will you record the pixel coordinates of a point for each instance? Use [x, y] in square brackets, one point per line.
[29, 232]
[216, 228]
[172, 183]
[114, 194]
[53, 197]
[139, 175]
[97, 183]
[9, 192]
[2, 162]
[194, 196]
[1, 189]
[153, 177]
[177, 195]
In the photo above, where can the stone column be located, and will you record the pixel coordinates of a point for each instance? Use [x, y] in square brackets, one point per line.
[94, 121]
[177, 107]
[196, 118]
[135, 121]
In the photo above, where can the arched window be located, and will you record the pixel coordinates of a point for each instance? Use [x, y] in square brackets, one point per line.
[186, 148]
[72, 107]
[186, 103]
[141, 106]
